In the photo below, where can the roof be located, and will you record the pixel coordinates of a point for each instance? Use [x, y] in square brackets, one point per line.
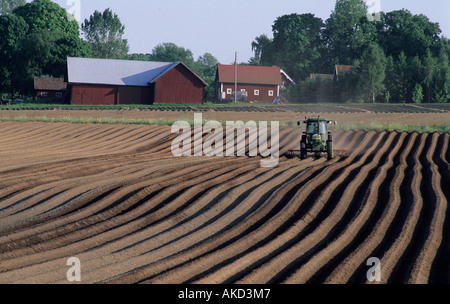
[315, 119]
[249, 74]
[50, 84]
[342, 68]
[118, 72]
[287, 76]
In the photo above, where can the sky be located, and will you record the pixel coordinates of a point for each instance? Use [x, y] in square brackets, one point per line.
[223, 27]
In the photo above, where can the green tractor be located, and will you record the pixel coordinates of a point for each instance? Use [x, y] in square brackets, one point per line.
[316, 139]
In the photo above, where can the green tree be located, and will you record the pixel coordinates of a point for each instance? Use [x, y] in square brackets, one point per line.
[446, 45]
[104, 32]
[207, 65]
[348, 32]
[429, 71]
[389, 79]
[51, 37]
[401, 31]
[415, 75]
[7, 6]
[372, 72]
[397, 78]
[13, 30]
[170, 52]
[259, 45]
[412, 34]
[417, 95]
[140, 57]
[47, 15]
[296, 44]
[401, 78]
[441, 84]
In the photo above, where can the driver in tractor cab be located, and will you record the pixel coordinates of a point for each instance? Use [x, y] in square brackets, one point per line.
[313, 128]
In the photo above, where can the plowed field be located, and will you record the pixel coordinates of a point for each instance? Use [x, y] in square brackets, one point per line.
[115, 197]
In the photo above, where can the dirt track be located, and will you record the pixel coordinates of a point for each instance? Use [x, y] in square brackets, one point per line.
[115, 197]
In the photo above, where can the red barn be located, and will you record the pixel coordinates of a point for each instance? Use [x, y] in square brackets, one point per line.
[260, 82]
[111, 81]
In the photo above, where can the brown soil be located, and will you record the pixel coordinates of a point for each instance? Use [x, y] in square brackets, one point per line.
[115, 197]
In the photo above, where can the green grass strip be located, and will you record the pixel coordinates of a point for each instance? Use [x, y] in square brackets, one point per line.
[169, 122]
[394, 127]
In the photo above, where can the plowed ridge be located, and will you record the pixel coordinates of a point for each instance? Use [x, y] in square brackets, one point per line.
[114, 197]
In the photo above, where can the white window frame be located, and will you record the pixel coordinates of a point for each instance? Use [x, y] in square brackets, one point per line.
[256, 92]
[44, 94]
[229, 91]
[271, 93]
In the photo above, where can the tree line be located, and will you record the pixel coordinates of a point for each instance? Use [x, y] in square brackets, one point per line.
[400, 57]
[36, 38]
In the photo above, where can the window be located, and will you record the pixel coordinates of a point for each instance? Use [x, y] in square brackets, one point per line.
[271, 93]
[58, 94]
[229, 91]
[256, 93]
[44, 94]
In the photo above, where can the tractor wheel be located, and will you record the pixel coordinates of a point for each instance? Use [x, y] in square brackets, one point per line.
[302, 150]
[330, 149]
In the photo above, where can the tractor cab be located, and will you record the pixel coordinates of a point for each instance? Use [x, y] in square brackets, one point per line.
[318, 128]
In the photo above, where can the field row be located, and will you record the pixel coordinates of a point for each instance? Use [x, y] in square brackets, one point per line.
[116, 198]
[299, 108]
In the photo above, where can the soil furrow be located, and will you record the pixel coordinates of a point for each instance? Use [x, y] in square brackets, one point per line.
[440, 272]
[436, 202]
[404, 257]
[387, 200]
[399, 233]
[296, 229]
[326, 254]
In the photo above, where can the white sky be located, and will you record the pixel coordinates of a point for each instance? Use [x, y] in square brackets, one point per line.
[223, 27]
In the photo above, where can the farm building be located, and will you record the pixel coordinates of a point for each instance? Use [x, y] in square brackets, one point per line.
[112, 81]
[260, 82]
[48, 87]
[341, 70]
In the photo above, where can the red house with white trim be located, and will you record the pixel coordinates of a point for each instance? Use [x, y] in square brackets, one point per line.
[261, 83]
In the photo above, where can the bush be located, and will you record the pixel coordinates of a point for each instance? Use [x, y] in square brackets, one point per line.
[417, 95]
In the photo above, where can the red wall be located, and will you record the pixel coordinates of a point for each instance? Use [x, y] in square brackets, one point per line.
[94, 94]
[179, 86]
[250, 88]
[50, 94]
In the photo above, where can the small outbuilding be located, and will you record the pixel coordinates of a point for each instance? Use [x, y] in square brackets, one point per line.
[114, 82]
[50, 88]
